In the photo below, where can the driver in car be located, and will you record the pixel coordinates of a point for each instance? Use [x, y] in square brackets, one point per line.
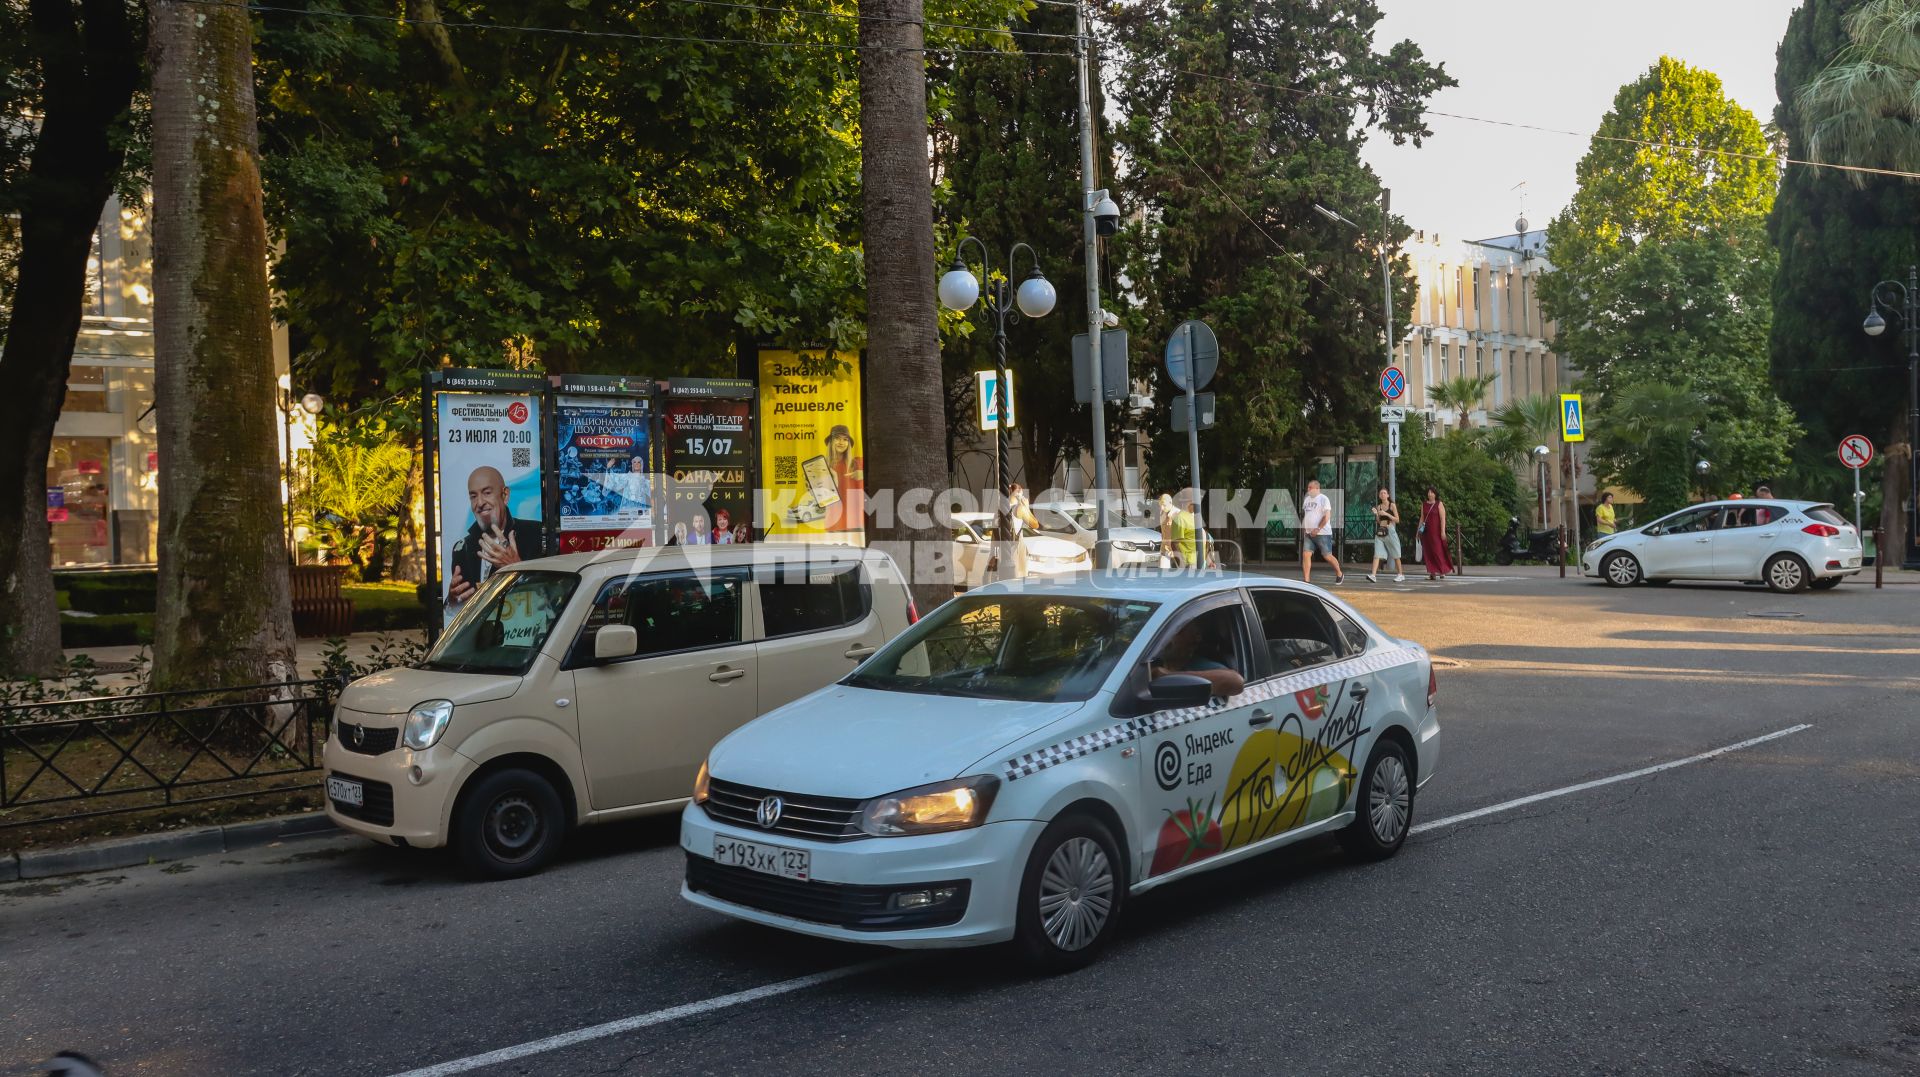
[1187, 653]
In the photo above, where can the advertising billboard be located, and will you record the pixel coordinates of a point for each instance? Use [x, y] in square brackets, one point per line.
[709, 451]
[812, 457]
[489, 486]
[604, 472]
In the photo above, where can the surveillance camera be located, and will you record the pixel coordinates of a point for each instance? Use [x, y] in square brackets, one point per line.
[1106, 214]
[1109, 319]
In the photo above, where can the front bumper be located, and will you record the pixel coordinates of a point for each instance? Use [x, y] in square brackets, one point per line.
[400, 807]
[989, 860]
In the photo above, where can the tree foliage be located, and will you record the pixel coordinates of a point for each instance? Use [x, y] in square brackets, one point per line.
[1664, 276]
[1481, 493]
[353, 490]
[1836, 236]
[1240, 116]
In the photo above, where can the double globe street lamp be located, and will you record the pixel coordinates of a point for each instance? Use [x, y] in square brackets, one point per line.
[1900, 300]
[1034, 298]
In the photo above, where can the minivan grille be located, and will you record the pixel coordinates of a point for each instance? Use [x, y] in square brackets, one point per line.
[819, 818]
[366, 739]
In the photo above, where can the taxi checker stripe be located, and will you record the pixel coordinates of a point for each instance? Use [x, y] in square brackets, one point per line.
[1030, 763]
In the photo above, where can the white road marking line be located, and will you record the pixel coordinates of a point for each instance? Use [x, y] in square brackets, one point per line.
[644, 1020]
[1550, 794]
[801, 983]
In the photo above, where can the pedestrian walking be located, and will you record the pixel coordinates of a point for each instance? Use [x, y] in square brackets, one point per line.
[1386, 538]
[1433, 536]
[1167, 514]
[1010, 554]
[1316, 533]
[1186, 536]
[1604, 522]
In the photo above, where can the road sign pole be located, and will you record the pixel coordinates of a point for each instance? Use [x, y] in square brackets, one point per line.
[1857, 498]
[1386, 287]
[1090, 242]
[1193, 424]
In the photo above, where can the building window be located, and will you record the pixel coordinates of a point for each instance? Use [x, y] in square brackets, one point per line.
[87, 389]
[78, 502]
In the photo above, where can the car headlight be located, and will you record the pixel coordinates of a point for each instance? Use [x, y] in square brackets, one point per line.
[931, 809]
[426, 722]
[1596, 544]
[700, 784]
[1125, 546]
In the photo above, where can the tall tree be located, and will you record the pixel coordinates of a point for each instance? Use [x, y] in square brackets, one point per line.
[75, 66]
[903, 335]
[222, 614]
[1010, 164]
[1849, 85]
[1663, 275]
[1241, 115]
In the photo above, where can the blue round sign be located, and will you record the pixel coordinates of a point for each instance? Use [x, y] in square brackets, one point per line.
[1393, 384]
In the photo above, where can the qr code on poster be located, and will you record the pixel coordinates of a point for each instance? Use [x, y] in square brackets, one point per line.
[522, 457]
[786, 469]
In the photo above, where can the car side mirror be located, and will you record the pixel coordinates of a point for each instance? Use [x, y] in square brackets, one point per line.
[615, 641]
[1180, 689]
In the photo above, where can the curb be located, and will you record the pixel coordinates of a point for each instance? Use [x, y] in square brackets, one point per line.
[174, 845]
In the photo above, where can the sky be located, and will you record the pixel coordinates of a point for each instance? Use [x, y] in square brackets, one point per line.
[1549, 63]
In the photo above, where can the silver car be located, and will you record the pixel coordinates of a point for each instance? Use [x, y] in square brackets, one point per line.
[1787, 545]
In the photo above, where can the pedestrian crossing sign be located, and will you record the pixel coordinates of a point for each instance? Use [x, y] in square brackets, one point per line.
[1573, 421]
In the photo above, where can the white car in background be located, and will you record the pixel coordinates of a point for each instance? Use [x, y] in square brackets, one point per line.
[1076, 521]
[1787, 545]
[1030, 756]
[973, 552]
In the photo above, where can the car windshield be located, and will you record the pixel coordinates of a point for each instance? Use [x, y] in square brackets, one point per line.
[504, 624]
[1032, 648]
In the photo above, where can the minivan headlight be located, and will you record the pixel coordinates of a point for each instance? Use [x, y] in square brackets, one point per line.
[700, 784]
[930, 809]
[426, 722]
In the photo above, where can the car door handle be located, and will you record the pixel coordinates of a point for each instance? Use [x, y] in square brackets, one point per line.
[1260, 717]
[1358, 691]
[1704, 538]
[859, 651]
[723, 675]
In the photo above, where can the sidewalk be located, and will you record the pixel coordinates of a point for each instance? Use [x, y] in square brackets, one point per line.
[1323, 575]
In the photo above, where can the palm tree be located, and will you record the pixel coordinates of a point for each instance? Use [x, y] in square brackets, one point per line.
[1462, 394]
[1659, 424]
[1864, 109]
[1521, 424]
[356, 480]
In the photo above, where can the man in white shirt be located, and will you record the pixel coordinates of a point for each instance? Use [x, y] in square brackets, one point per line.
[1316, 533]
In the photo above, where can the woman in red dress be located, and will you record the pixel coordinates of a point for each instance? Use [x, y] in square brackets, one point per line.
[1433, 536]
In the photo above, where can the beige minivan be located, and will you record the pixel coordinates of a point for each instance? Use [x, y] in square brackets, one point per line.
[588, 688]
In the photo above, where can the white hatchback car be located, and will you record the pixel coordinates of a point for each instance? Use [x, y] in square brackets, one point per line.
[1787, 545]
[1029, 755]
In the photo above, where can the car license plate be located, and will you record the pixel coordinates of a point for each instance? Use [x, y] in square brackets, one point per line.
[769, 859]
[346, 792]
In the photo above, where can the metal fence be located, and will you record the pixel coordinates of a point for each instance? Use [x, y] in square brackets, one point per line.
[105, 755]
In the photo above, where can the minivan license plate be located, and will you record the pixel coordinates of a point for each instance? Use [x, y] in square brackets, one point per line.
[346, 792]
[769, 859]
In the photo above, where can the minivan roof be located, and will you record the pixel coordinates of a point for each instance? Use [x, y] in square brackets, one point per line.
[723, 555]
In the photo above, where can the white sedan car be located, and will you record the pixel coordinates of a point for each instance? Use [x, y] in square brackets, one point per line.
[1076, 522]
[1029, 756]
[1787, 545]
[974, 551]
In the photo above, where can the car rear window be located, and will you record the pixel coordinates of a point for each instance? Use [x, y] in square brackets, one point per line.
[1825, 514]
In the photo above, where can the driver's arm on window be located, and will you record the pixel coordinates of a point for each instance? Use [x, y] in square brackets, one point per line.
[1226, 682]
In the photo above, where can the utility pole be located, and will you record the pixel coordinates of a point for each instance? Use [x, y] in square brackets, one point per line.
[1103, 542]
[1386, 287]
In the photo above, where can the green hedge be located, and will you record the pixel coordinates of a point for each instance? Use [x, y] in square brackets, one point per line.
[111, 594]
[107, 630]
[377, 607]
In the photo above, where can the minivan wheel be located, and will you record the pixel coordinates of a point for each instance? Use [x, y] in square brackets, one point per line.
[1620, 570]
[1787, 574]
[1071, 895]
[508, 824]
[1383, 812]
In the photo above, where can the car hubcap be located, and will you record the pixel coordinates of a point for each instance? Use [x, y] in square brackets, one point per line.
[1076, 893]
[1622, 570]
[1786, 574]
[1389, 802]
[513, 827]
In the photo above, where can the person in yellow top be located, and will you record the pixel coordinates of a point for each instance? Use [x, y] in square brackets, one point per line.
[1603, 521]
[1186, 530]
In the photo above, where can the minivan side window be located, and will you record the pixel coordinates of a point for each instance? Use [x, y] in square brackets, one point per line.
[677, 611]
[796, 599]
[1298, 630]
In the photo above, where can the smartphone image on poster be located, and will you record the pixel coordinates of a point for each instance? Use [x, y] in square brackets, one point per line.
[820, 480]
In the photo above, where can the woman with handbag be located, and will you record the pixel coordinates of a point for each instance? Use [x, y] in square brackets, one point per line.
[1386, 538]
[1433, 536]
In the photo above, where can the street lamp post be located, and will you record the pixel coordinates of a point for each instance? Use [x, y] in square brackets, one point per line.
[959, 289]
[312, 404]
[1386, 291]
[1540, 454]
[1882, 298]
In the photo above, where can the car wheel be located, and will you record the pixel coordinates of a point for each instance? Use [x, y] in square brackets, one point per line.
[509, 824]
[1384, 809]
[1071, 895]
[1620, 570]
[1787, 574]
[1827, 583]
